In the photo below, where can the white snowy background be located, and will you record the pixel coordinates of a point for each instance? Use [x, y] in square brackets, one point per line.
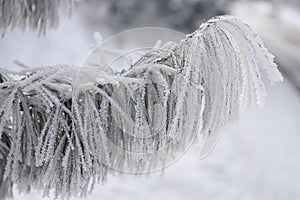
[258, 157]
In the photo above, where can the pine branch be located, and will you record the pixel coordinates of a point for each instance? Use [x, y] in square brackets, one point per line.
[38, 15]
[62, 138]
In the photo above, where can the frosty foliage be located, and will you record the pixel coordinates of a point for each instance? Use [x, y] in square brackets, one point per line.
[63, 139]
[32, 14]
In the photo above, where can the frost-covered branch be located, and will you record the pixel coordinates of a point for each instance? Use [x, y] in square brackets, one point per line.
[61, 138]
[33, 14]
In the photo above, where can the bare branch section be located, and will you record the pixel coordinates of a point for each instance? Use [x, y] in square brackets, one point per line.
[62, 139]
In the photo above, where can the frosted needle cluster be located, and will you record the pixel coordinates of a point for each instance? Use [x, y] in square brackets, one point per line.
[61, 136]
[38, 15]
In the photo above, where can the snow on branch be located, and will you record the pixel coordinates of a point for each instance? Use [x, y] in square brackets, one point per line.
[61, 138]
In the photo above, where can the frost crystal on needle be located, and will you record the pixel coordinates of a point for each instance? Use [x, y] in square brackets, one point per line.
[61, 135]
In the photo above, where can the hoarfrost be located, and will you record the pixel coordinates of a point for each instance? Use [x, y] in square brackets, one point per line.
[64, 137]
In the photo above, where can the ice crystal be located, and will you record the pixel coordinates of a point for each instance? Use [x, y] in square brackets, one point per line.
[62, 136]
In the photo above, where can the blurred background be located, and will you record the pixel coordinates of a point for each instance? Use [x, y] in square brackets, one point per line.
[258, 157]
